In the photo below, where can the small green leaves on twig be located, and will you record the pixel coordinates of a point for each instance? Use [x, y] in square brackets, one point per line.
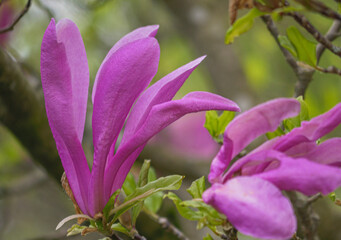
[242, 25]
[197, 210]
[216, 125]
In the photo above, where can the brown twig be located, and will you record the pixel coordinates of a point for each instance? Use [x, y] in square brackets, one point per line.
[320, 8]
[303, 74]
[330, 69]
[332, 34]
[306, 215]
[304, 22]
[22, 13]
[167, 225]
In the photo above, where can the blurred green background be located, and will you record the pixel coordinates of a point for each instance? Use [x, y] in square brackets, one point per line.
[249, 71]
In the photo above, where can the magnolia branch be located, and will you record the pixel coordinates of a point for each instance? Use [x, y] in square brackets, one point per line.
[304, 22]
[167, 225]
[22, 112]
[22, 13]
[332, 34]
[303, 74]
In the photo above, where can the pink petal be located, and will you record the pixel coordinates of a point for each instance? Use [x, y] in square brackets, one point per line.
[143, 32]
[69, 35]
[248, 126]
[162, 91]
[58, 78]
[328, 152]
[288, 173]
[121, 79]
[311, 130]
[254, 206]
[160, 116]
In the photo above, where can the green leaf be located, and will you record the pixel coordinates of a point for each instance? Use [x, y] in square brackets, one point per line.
[129, 184]
[184, 211]
[285, 42]
[151, 174]
[212, 217]
[172, 182]
[143, 180]
[294, 122]
[208, 237]
[242, 25]
[276, 133]
[144, 172]
[110, 204]
[75, 230]
[332, 196]
[215, 124]
[306, 49]
[119, 228]
[197, 188]
[154, 202]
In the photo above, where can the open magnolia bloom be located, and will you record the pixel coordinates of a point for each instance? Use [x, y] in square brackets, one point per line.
[120, 83]
[249, 193]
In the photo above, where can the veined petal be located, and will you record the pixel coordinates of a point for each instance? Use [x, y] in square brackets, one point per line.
[254, 206]
[143, 32]
[311, 130]
[160, 116]
[248, 126]
[69, 35]
[162, 91]
[122, 78]
[328, 152]
[57, 79]
[293, 174]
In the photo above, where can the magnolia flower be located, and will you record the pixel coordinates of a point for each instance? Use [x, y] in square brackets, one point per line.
[6, 17]
[249, 193]
[120, 83]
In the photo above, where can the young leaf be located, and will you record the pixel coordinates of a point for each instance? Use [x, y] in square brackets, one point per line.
[242, 25]
[184, 211]
[119, 228]
[276, 133]
[110, 204]
[208, 237]
[129, 184]
[143, 180]
[154, 202]
[294, 122]
[215, 124]
[306, 49]
[144, 172]
[197, 188]
[172, 182]
[75, 230]
[285, 42]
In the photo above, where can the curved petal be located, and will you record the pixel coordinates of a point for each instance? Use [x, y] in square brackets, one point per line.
[160, 116]
[58, 78]
[69, 35]
[311, 130]
[248, 126]
[328, 152]
[303, 175]
[162, 91]
[143, 32]
[122, 78]
[254, 206]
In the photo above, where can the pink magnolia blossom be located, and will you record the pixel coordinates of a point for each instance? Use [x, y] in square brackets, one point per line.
[119, 89]
[6, 18]
[249, 193]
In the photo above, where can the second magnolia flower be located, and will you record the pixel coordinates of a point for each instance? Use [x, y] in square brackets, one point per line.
[120, 83]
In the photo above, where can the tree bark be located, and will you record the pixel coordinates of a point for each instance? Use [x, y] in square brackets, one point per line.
[22, 112]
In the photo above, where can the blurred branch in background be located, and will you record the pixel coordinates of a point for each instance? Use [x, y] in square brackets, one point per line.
[22, 13]
[22, 112]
